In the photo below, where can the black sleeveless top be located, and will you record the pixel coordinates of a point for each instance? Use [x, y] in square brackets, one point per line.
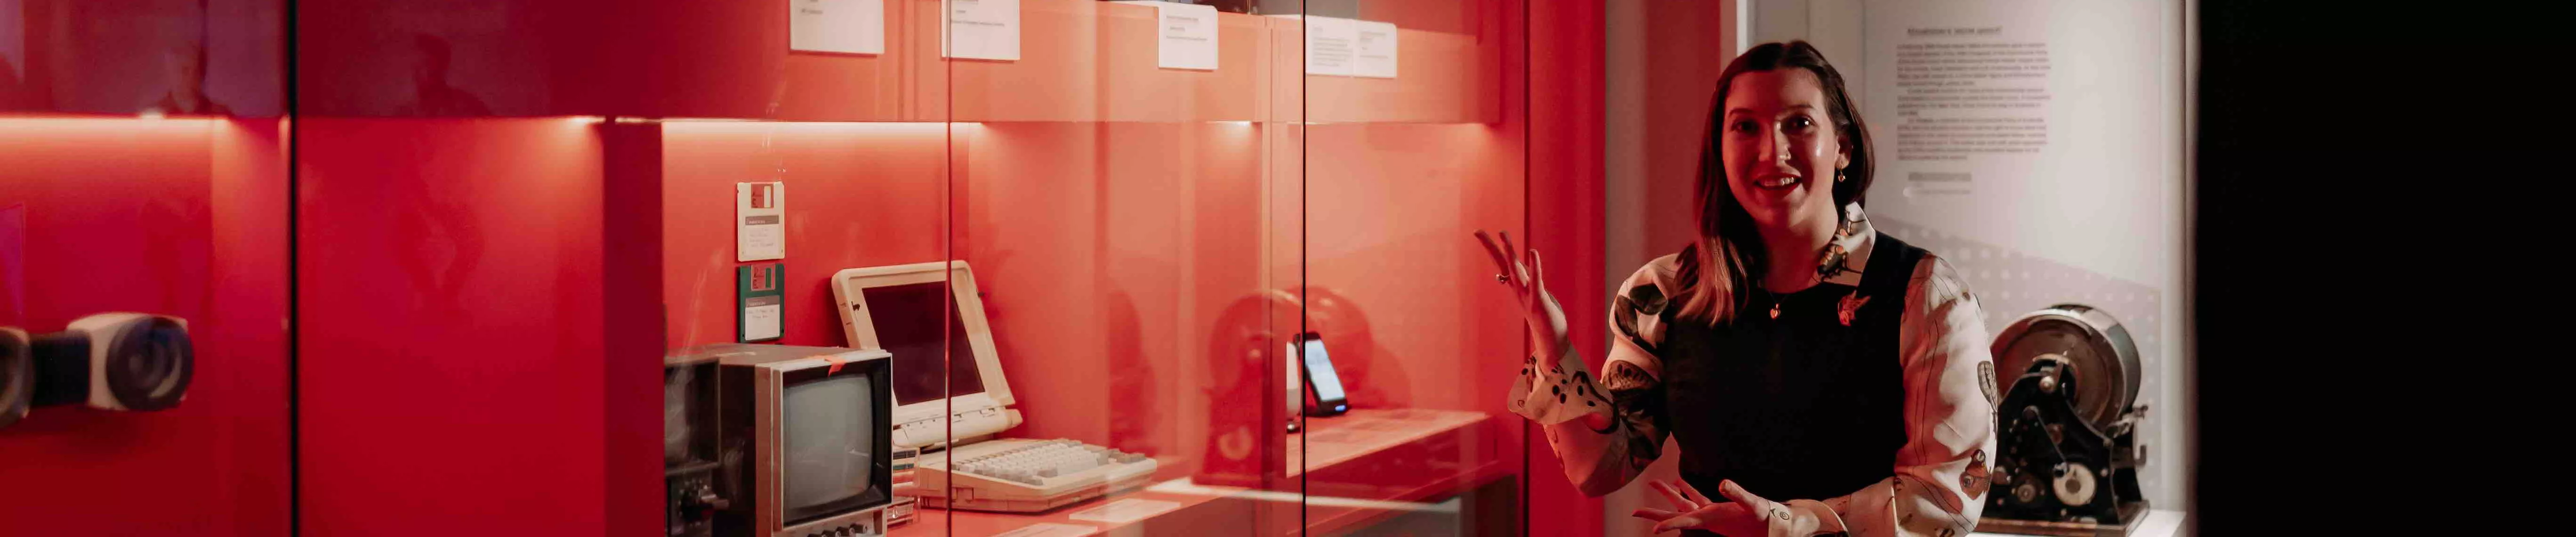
[1797, 407]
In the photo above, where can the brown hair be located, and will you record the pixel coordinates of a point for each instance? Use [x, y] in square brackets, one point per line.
[1728, 252]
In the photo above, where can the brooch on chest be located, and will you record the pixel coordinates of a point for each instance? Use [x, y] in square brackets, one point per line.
[1851, 306]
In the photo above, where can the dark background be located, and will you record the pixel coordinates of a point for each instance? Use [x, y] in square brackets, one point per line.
[2369, 221]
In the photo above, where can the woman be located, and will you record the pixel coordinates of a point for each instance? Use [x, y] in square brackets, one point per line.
[1820, 376]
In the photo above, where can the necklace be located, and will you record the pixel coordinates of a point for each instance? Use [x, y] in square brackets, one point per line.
[1778, 298]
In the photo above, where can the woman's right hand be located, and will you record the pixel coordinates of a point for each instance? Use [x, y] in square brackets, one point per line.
[1525, 277]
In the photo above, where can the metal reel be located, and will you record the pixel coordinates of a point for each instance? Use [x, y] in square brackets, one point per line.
[2103, 363]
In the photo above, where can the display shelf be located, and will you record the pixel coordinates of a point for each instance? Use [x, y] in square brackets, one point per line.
[1199, 511]
[1370, 461]
[2158, 523]
[1365, 442]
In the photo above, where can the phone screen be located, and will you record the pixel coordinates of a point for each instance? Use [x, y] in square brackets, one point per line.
[1319, 371]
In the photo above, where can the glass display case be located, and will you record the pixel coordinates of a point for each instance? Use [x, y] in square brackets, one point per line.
[1140, 254]
[1184, 268]
[143, 268]
[941, 267]
[1150, 243]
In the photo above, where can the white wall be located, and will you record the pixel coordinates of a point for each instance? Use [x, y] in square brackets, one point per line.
[2103, 206]
[2105, 197]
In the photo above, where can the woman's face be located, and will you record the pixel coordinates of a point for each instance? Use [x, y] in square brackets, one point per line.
[1780, 148]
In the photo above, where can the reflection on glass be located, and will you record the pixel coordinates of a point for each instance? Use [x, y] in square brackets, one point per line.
[431, 94]
[186, 65]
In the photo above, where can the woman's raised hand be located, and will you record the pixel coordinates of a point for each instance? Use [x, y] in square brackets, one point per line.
[1525, 276]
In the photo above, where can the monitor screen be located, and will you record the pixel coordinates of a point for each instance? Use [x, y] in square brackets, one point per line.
[829, 444]
[916, 322]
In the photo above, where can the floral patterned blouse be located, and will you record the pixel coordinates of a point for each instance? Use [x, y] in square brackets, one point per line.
[1938, 484]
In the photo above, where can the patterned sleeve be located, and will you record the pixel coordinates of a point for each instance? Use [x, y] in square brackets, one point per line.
[1626, 395]
[1940, 479]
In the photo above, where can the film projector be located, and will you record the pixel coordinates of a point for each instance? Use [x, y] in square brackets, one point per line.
[2068, 456]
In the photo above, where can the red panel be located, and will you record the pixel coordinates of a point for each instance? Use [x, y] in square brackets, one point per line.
[634, 320]
[1681, 76]
[180, 217]
[1566, 225]
[858, 195]
[452, 327]
[681, 58]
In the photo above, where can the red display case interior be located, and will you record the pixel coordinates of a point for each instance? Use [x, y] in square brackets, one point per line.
[468, 282]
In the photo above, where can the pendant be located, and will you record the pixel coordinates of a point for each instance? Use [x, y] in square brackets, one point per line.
[1775, 310]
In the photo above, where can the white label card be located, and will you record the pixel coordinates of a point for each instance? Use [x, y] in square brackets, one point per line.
[760, 321]
[1185, 35]
[1331, 46]
[1373, 49]
[843, 26]
[1124, 511]
[981, 29]
[760, 221]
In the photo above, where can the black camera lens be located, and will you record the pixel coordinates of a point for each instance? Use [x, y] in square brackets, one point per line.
[149, 364]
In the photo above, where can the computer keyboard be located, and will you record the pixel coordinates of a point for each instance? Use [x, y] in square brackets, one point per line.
[1026, 475]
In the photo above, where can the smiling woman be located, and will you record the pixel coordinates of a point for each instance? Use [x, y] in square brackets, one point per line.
[1850, 404]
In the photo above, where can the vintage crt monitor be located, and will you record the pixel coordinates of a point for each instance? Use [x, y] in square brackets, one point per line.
[942, 390]
[800, 439]
[689, 445]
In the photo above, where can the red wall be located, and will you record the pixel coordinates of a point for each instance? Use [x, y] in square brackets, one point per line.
[183, 217]
[1566, 222]
[453, 327]
[1680, 76]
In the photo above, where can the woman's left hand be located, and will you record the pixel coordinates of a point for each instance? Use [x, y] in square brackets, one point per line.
[1748, 516]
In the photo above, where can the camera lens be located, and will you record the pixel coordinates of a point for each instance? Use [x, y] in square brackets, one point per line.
[17, 375]
[149, 364]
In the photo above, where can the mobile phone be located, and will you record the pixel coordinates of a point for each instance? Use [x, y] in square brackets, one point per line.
[1321, 382]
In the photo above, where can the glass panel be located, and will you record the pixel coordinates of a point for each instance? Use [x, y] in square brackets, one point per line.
[143, 267]
[1120, 213]
[1416, 134]
[850, 152]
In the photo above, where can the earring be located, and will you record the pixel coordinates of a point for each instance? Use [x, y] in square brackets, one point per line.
[1839, 176]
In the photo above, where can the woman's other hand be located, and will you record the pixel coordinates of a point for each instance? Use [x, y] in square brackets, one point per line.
[1748, 515]
[1525, 277]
